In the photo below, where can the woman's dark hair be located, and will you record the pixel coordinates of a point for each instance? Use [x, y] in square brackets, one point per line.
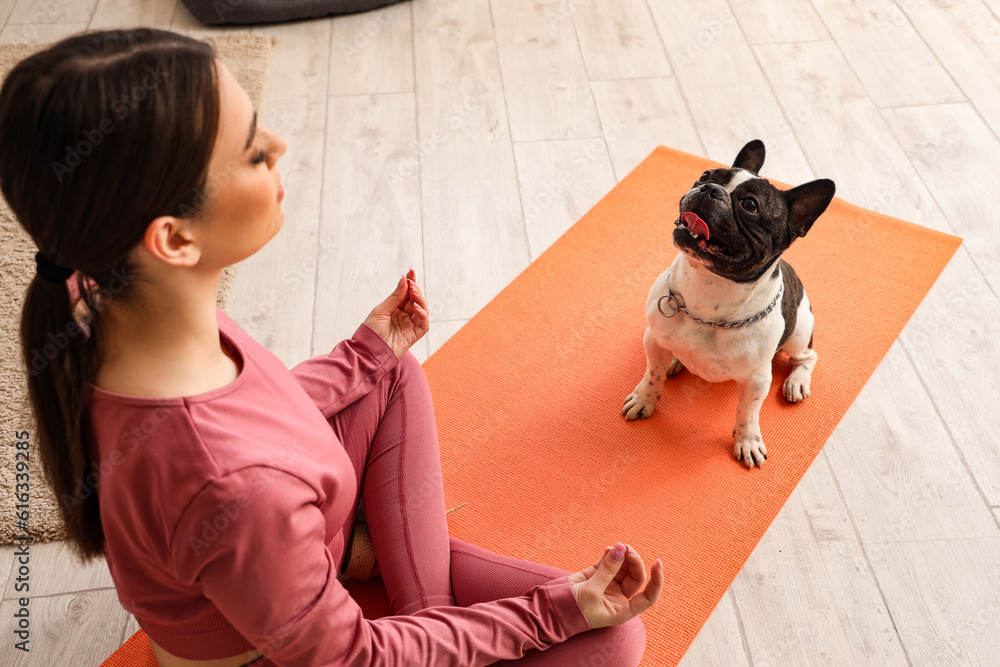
[100, 134]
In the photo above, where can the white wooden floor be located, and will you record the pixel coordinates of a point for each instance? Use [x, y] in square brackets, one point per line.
[436, 134]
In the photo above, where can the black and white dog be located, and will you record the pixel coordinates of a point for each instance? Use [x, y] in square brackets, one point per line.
[711, 311]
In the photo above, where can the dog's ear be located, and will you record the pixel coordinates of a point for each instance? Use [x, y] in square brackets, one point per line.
[807, 202]
[751, 156]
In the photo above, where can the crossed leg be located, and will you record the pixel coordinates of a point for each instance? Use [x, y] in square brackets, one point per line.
[391, 438]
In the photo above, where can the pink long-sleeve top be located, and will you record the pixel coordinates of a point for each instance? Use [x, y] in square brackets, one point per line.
[223, 517]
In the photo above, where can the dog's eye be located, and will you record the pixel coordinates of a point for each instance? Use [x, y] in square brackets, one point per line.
[704, 177]
[749, 204]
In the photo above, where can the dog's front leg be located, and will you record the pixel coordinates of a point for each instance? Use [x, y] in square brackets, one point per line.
[748, 446]
[642, 401]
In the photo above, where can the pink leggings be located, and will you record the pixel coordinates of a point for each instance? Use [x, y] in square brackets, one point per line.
[391, 438]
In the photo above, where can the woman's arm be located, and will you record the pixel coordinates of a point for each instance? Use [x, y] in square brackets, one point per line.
[348, 372]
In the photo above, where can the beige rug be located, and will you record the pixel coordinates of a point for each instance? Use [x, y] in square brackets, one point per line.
[247, 56]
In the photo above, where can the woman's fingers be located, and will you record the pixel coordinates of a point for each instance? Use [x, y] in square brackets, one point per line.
[633, 581]
[647, 598]
[608, 570]
[416, 294]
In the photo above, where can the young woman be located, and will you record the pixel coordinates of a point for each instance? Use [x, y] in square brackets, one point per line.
[220, 487]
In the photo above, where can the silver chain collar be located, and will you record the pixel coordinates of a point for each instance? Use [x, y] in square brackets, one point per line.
[671, 297]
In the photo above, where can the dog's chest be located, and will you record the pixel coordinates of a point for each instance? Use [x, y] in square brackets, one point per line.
[714, 354]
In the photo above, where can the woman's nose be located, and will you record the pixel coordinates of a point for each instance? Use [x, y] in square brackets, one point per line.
[280, 145]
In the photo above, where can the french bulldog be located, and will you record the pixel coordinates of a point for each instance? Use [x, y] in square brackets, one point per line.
[729, 302]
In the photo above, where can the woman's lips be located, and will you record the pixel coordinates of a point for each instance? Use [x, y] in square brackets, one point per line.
[281, 192]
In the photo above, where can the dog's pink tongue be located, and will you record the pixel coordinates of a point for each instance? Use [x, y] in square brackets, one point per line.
[695, 224]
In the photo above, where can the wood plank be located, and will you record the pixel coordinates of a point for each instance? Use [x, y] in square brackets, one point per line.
[55, 569]
[186, 24]
[132, 13]
[460, 95]
[372, 52]
[954, 340]
[954, 153]
[52, 11]
[6, 7]
[560, 181]
[889, 57]
[38, 33]
[370, 224]
[474, 243]
[896, 465]
[720, 641]
[842, 132]
[474, 237]
[617, 40]
[8, 565]
[807, 589]
[276, 285]
[730, 100]
[965, 36]
[73, 629]
[545, 81]
[945, 598]
[640, 114]
[777, 21]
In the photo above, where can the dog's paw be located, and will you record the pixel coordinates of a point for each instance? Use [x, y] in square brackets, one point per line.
[796, 387]
[638, 406]
[675, 367]
[749, 448]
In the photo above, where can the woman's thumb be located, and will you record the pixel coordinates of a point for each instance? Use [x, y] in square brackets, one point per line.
[609, 566]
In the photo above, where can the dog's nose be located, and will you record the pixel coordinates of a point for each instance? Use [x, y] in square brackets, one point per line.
[713, 190]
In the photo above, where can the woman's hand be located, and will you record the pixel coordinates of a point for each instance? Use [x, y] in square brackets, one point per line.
[609, 590]
[402, 318]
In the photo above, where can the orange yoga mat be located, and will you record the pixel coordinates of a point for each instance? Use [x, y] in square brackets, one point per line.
[527, 397]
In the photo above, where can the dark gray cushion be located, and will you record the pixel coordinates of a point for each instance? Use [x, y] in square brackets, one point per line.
[220, 12]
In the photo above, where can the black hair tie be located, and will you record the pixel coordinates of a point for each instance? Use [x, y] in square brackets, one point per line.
[49, 271]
